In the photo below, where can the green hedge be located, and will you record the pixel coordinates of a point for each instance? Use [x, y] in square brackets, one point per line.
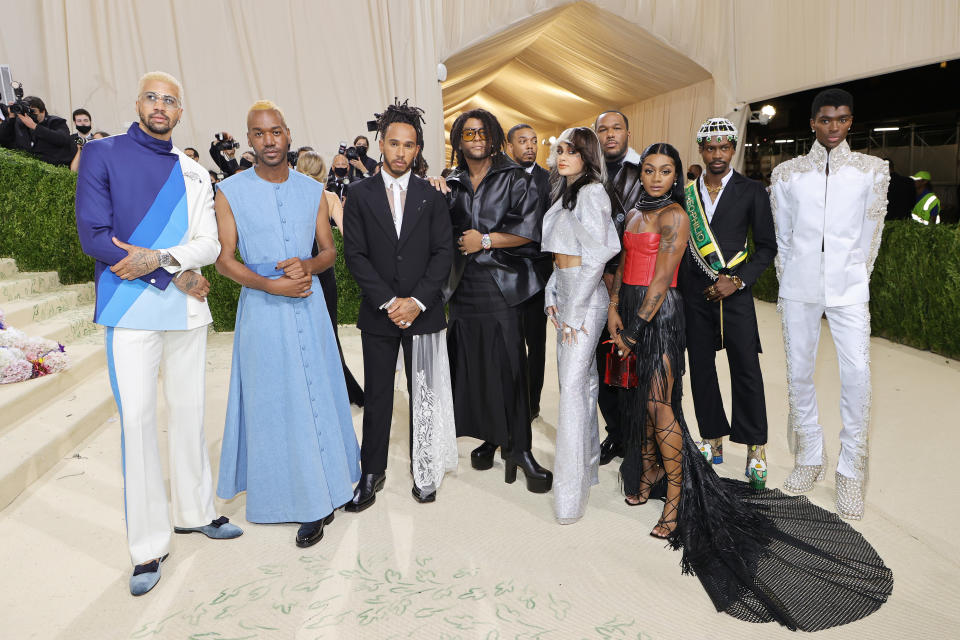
[37, 224]
[38, 229]
[914, 289]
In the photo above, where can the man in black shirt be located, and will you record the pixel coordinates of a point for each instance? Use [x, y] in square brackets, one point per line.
[623, 187]
[522, 147]
[45, 136]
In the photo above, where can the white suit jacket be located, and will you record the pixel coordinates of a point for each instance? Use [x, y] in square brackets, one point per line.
[833, 219]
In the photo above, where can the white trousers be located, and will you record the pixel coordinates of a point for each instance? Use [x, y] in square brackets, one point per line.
[135, 358]
[850, 327]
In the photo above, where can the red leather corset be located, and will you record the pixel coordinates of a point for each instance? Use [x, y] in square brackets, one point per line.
[641, 258]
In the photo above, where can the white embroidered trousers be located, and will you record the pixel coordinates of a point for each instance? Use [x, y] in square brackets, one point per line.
[850, 328]
[135, 359]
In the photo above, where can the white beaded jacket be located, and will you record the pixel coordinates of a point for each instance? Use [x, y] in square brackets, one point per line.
[831, 218]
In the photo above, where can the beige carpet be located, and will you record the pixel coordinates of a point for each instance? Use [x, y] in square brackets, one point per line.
[487, 559]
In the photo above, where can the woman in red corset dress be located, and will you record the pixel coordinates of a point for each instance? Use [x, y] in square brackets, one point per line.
[760, 555]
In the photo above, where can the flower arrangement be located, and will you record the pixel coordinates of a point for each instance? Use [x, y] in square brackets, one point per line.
[23, 357]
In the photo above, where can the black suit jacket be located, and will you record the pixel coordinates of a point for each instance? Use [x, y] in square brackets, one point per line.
[416, 264]
[542, 264]
[744, 204]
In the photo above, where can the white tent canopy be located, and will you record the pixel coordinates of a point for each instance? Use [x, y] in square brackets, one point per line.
[667, 63]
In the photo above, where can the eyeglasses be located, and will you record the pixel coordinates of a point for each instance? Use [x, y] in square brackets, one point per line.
[168, 101]
[470, 134]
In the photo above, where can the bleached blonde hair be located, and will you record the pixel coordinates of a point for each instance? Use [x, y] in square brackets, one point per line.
[267, 105]
[160, 76]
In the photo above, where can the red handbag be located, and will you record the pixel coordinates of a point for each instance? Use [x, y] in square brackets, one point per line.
[620, 372]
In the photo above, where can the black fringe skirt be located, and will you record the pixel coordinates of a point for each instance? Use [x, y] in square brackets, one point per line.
[760, 555]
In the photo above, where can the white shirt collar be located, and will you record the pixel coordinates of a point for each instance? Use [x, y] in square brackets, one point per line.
[403, 180]
[530, 168]
[723, 181]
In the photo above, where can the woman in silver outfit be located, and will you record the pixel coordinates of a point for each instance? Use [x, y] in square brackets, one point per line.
[580, 233]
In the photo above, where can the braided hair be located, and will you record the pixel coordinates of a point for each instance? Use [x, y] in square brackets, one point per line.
[491, 126]
[404, 113]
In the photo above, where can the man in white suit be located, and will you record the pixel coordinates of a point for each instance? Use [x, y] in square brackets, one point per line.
[829, 207]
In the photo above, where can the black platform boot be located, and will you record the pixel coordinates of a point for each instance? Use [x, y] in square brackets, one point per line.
[539, 480]
[481, 458]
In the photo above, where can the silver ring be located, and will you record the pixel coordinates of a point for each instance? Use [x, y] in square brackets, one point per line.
[620, 352]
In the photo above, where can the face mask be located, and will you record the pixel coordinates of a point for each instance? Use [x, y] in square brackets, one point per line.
[340, 171]
[245, 164]
[84, 128]
[690, 176]
[362, 151]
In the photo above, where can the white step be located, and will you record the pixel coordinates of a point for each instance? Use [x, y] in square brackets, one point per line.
[8, 267]
[19, 400]
[25, 285]
[33, 446]
[25, 311]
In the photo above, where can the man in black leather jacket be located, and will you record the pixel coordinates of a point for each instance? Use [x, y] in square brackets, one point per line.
[522, 145]
[623, 187]
[496, 218]
[45, 136]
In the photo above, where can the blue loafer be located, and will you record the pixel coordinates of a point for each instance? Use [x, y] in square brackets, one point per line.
[145, 576]
[219, 529]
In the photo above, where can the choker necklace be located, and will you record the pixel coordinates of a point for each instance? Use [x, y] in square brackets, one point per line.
[649, 203]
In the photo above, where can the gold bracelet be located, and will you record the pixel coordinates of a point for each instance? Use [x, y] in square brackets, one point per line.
[737, 282]
[614, 303]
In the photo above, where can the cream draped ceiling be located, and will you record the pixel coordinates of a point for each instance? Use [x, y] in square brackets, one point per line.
[668, 64]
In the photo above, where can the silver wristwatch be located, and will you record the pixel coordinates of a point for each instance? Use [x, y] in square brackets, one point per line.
[165, 258]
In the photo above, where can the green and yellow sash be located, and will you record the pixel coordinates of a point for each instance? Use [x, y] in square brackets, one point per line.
[705, 248]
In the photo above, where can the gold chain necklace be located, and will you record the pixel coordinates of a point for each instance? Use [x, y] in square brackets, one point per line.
[713, 189]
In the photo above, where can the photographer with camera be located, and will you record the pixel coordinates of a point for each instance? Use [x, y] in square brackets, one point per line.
[361, 165]
[223, 150]
[27, 126]
[339, 176]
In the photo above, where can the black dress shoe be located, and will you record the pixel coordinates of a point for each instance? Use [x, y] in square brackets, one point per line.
[539, 480]
[310, 533]
[422, 496]
[481, 458]
[366, 492]
[610, 449]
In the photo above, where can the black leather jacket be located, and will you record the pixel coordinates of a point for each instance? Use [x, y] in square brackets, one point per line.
[506, 201]
[624, 191]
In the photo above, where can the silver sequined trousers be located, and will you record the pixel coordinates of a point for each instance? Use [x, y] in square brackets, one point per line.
[578, 442]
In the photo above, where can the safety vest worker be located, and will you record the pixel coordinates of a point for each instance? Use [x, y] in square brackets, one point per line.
[927, 208]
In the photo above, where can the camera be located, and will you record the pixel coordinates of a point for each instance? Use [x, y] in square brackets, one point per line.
[19, 106]
[224, 144]
[292, 157]
[350, 152]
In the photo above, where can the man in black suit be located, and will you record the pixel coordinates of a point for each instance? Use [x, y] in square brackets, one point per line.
[623, 187]
[397, 245]
[715, 282]
[522, 147]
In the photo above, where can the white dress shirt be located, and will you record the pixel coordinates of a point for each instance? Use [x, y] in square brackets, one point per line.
[710, 205]
[396, 186]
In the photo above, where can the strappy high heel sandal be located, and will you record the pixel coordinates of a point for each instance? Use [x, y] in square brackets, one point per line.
[648, 455]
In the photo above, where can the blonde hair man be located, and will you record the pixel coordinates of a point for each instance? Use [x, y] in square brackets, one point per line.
[145, 214]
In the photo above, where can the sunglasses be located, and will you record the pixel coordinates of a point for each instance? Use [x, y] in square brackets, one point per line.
[471, 134]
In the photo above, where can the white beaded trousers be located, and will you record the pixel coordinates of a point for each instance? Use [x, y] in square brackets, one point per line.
[850, 327]
[136, 360]
[577, 460]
